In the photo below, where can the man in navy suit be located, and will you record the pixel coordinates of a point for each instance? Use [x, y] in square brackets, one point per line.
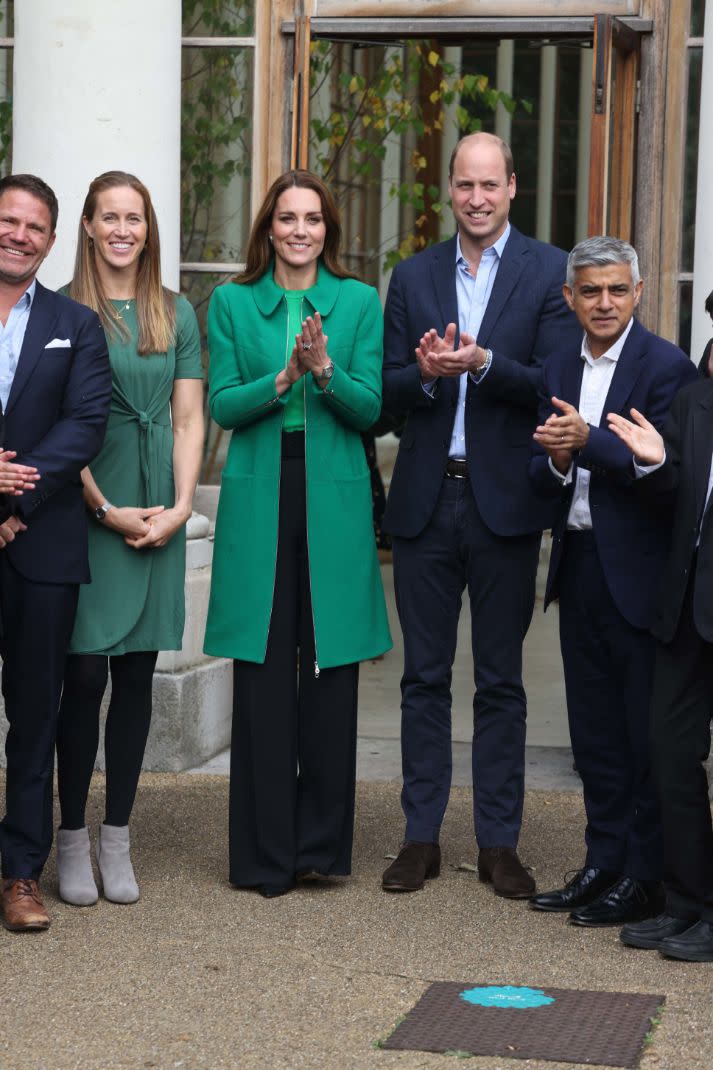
[468, 325]
[681, 479]
[609, 547]
[55, 388]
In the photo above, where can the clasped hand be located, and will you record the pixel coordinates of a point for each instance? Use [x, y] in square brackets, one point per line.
[309, 353]
[437, 357]
[9, 529]
[560, 436]
[15, 478]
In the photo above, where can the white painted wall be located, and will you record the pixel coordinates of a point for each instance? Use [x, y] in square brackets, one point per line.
[97, 86]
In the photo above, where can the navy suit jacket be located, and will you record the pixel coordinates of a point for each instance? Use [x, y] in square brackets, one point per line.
[681, 486]
[525, 322]
[55, 419]
[632, 531]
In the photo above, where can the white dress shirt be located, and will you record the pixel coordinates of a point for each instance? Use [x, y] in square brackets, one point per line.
[596, 380]
[12, 335]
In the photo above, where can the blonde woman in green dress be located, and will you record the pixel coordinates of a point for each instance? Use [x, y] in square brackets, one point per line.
[138, 492]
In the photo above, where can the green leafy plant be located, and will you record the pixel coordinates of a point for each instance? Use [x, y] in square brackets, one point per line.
[411, 95]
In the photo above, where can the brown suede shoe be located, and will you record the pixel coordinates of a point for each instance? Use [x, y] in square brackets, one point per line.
[507, 873]
[415, 863]
[22, 906]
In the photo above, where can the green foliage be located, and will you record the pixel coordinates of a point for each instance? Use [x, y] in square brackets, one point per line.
[217, 18]
[413, 94]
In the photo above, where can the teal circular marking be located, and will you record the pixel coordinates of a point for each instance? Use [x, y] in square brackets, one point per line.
[513, 996]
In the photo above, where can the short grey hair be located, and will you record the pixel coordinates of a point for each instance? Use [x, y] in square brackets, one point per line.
[600, 252]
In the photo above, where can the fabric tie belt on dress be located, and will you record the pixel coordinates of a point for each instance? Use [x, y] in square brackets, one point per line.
[456, 469]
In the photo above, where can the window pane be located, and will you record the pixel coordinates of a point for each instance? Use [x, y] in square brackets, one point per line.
[197, 286]
[698, 11]
[7, 18]
[218, 18]
[216, 135]
[690, 169]
[685, 307]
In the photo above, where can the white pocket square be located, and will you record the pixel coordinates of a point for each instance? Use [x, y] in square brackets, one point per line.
[59, 343]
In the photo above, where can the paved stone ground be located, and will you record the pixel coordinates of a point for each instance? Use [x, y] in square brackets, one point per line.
[199, 975]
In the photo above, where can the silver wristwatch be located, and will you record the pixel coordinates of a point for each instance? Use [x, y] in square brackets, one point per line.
[101, 510]
[327, 372]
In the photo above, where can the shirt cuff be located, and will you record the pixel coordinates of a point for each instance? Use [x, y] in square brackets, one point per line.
[566, 478]
[429, 387]
[641, 470]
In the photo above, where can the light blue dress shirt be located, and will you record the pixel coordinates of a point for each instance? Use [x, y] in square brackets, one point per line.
[12, 335]
[473, 294]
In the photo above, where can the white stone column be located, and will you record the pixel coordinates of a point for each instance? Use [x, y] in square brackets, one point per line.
[703, 255]
[97, 87]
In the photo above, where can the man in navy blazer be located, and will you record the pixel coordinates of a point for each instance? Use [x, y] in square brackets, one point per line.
[461, 510]
[681, 479]
[608, 550]
[55, 388]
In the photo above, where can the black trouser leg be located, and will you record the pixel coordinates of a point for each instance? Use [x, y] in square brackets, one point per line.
[293, 747]
[127, 726]
[85, 679]
[681, 713]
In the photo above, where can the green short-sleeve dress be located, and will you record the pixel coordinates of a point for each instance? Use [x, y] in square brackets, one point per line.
[136, 598]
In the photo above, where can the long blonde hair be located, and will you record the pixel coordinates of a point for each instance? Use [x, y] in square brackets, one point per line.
[155, 304]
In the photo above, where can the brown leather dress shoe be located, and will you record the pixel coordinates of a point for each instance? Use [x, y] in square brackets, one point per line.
[22, 906]
[507, 873]
[414, 864]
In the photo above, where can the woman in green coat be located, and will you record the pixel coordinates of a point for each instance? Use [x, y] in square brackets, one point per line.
[295, 373]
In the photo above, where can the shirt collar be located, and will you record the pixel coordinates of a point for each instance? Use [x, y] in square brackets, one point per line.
[25, 300]
[497, 246]
[613, 353]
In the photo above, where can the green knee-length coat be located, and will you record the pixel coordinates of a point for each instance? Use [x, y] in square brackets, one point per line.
[249, 344]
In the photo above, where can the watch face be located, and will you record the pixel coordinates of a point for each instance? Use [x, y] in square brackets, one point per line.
[99, 512]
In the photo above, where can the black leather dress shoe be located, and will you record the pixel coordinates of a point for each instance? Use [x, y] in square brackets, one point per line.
[414, 864]
[693, 945]
[627, 900]
[651, 932]
[584, 887]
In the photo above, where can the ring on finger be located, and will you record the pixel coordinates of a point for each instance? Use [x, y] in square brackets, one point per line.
[306, 345]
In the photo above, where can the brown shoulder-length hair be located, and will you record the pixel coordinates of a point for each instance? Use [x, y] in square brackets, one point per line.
[155, 304]
[260, 253]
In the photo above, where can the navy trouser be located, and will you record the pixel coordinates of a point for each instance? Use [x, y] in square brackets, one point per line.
[431, 571]
[38, 620]
[608, 671]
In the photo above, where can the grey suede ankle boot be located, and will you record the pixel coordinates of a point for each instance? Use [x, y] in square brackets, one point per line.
[115, 867]
[74, 868]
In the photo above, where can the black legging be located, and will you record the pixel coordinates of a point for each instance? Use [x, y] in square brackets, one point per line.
[127, 728]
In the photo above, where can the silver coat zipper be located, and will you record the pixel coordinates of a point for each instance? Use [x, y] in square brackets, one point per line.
[309, 560]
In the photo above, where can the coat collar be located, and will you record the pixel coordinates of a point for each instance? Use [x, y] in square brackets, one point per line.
[322, 296]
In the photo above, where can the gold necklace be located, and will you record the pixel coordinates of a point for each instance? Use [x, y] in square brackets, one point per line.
[125, 307]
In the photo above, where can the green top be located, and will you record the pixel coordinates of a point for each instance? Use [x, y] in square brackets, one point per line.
[295, 407]
[136, 598]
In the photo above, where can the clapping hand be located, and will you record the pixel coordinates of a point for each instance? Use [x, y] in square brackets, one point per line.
[640, 436]
[437, 357]
[15, 478]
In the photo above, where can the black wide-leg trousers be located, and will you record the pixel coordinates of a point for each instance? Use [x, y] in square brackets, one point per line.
[293, 753]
